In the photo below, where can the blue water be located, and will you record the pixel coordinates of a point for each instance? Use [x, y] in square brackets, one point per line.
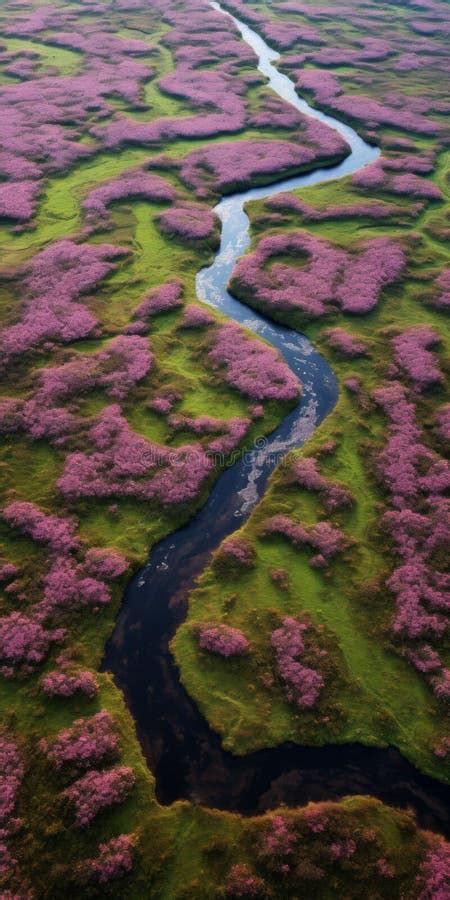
[185, 755]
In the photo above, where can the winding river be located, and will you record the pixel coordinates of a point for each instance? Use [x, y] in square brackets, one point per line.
[184, 753]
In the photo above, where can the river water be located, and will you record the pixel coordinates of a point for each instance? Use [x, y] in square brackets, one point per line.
[183, 752]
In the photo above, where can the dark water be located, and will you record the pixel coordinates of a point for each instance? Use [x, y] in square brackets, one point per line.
[183, 752]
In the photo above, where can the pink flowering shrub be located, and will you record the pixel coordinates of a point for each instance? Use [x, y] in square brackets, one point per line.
[327, 90]
[442, 300]
[189, 222]
[434, 877]
[346, 343]
[116, 369]
[286, 202]
[64, 684]
[315, 819]
[378, 175]
[342, 849]
[7, 571]
[11, 775]
[238, 550]
[379, 264]
[84, 745]
[53, 281]
[385, 869]
[138, 184]
[115, 859]
[414, 357]
[67, 582]
[417, 521]
[252, 367]
[104, 562]
[415, 186]
[161, 299]
[329, 276]
[24, 640]
[96, 791]
[325, 538]
[242, 882]
[56, 532]
[222, 640]
[231, 431]
[305, 473]
[125, 464]
[161, 405]
[226, 167]
[353, 385]
[278, 840]
[18, 199]
[196, 317]
[303, 684]
[370, 176]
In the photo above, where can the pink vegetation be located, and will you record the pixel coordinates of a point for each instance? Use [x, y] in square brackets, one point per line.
[305, 473]
[241, 882]
[435, 874]
[370, 176]
[196, 317]
[239, 550]
[224, 167]
[53, 281]
[414, 186]
[63, 684]
[414, 357]
[233, 430]
[443, 421]
[7, 571]
[251, 366]
[189, 222]
[96, 791]
[126, 464]
[222, 639]
[279, 839]
[285, 34]
[372, 113]
[135, 184]
[67, 582]
[56, 532]
[346, 343]
[380, 263]
[104, 562]
[417, 520]
[442, 301]
[84, 745]
[353, 385]
[329, 274]
[372, 210]
[378, 174]
[115, 859]
[18, 198]
[161, 299]
[325, 538]
[11, 775]
[303, 685]
[23, 640]
[161, 405]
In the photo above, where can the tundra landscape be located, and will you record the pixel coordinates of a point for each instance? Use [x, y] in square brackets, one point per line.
[224, 510]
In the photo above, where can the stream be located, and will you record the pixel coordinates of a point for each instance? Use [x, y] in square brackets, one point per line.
[183, 752]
